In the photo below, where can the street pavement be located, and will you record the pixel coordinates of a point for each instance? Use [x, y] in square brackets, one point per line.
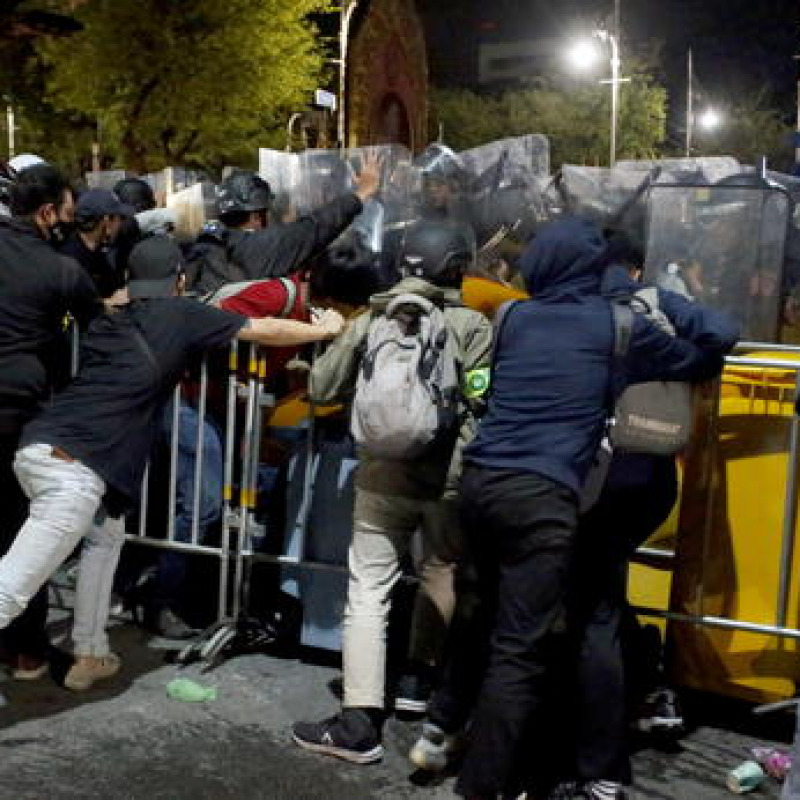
[126, 740]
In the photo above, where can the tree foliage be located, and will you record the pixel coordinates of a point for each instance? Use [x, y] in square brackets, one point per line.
[195, 82]
[575, 118]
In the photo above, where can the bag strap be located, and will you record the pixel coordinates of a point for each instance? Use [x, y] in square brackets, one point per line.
[498, 323]
[622, 316]
[291, 296]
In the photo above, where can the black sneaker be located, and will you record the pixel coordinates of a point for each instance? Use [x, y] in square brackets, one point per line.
[660, 713]
[349, 735]
[412, 694]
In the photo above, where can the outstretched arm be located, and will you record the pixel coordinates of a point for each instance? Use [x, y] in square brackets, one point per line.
[272, 332]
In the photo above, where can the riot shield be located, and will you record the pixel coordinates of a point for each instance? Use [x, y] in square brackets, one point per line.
[192, 207]
[105, 179]
[507, 187]
[723, 245]
[531, 153]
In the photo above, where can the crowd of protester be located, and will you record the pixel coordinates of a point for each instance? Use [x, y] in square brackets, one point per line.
[520, 622]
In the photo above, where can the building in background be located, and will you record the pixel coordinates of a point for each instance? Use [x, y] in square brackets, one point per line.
[387, 86]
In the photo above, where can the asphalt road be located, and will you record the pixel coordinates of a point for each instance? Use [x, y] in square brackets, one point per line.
[128, 741]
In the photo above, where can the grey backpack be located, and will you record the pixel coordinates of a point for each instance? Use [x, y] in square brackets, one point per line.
[655, 417]
[407, 393]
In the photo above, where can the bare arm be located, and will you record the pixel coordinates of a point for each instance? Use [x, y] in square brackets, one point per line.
[272, 332]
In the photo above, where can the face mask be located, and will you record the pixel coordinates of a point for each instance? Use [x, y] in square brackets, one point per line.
[58, 233]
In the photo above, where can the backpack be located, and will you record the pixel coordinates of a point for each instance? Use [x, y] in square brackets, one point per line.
[654, 418]
[407, 390]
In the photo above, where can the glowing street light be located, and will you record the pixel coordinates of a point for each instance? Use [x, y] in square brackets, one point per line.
[710, 119]
[584, 55]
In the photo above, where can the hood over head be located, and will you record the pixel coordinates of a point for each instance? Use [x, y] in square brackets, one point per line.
[565, 260]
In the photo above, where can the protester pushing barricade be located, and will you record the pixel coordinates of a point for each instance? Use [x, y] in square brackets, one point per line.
[70, 465]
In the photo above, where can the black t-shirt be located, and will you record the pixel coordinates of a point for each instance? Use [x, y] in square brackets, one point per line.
[37, 289]
[130, 362]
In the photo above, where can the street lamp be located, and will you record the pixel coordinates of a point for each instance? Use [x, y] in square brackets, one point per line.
[584, 55]
[347, 11]
[708, 120]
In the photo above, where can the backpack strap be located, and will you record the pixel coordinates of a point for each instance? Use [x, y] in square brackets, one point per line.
[498, 323]
[291, 296]
[622, 316]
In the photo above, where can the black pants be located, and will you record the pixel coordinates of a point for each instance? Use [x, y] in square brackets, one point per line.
[522, 530]
[602, 623]
[27, 634]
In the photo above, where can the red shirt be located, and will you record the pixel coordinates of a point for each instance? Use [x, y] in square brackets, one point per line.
[268, 298]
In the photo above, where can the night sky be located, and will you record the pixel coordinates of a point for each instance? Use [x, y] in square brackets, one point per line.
[739, 45]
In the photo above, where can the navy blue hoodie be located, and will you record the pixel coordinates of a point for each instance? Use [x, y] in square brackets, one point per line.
[551, 383]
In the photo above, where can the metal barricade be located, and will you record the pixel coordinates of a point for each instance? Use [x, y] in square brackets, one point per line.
[735, 558]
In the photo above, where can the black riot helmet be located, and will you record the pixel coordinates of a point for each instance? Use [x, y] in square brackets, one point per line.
[439, 164]
[440, 251]
[137, 193]
[243, 192]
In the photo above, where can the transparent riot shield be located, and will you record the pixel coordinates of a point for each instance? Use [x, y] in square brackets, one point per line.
[305, 181]
[531, 153]
[105, 179]
[193, 207]
[508, 178]
[723, 245]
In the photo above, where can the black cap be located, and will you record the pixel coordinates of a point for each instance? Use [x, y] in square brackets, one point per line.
[154, 266]
[99, 202]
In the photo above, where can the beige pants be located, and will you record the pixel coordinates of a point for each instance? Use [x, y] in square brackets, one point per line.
[382, 531]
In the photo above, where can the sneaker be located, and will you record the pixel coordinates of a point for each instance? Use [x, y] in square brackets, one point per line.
[349, 735]
[84, 672]
[600, 790]
[412, 694]
[434, 749]
[29, 668]
[660, 713]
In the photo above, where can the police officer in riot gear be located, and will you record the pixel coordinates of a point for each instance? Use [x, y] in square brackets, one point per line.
[247, 247]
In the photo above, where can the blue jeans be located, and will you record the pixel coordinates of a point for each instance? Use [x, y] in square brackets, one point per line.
[172, 566]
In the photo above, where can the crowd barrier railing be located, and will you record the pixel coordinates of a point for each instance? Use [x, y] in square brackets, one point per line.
[766, 396]
[245, 400]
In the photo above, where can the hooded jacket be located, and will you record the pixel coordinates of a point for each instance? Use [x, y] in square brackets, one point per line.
[552, 377]
[333, 380]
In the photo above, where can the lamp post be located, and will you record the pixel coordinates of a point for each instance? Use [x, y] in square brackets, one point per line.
[347, 11]
[583, 54]
[606, 36]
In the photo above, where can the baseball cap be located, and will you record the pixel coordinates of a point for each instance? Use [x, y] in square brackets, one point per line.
[99, 202]
[154, 265]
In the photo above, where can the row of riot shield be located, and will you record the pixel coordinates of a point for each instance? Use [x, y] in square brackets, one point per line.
[711, 229]
[496, 189]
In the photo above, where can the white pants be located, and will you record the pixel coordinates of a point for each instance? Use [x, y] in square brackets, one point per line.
[64, 499]
[383, 527]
